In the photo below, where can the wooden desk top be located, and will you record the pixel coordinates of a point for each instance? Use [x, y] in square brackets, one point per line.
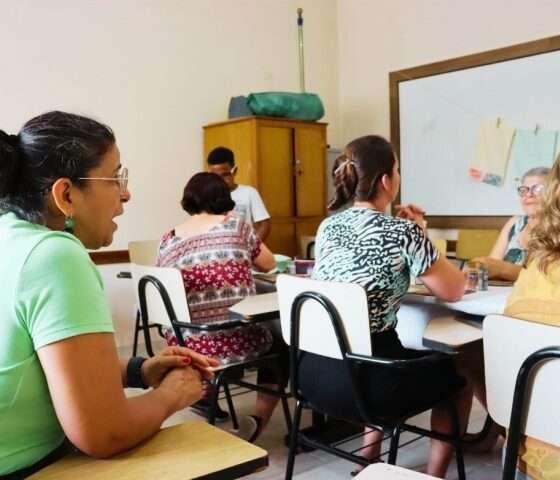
[451, 335]
[484, 303]
[257, 307]
[194, 450]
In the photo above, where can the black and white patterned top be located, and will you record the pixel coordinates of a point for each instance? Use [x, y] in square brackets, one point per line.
[379, 252]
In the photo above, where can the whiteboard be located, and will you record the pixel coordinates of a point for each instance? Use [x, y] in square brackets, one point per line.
[440, 117]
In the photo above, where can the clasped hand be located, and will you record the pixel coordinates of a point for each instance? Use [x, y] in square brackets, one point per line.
[155, 369]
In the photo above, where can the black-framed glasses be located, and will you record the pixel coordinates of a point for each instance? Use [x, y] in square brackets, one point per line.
[121, 178]
[536, 190]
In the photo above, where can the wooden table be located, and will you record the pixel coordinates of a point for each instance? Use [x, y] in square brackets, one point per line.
[194, 450]
[452, 334]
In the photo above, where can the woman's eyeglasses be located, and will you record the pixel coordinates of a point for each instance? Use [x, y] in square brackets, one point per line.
[121, 178]
[536, 190]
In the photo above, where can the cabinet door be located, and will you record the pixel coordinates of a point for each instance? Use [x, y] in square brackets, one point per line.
[310, 160]
[275, 170]
[282, 237]
[239, 138]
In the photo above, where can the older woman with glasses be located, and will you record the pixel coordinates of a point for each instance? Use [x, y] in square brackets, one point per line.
[61, 382]
[508, 254]
[505, 262]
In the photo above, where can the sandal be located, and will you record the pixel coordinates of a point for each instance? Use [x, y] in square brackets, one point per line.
[249, 428]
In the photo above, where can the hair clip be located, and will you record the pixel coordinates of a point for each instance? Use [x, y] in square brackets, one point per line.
[343, 164]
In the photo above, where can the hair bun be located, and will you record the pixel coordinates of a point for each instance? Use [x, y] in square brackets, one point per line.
[11, 140]
[9, 164]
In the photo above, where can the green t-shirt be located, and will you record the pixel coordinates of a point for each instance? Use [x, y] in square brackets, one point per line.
[50, 290]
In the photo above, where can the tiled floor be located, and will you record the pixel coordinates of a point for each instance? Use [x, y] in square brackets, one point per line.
[320, 465]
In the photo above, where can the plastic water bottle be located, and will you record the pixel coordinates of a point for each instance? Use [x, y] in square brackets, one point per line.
[482, 278]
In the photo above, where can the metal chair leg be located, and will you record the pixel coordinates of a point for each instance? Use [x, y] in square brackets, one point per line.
[216, 383]
[283, 399]
[147, 340]
[458, 447]
[394, 445]
[293, 441]
[137, 328]
[231, 408]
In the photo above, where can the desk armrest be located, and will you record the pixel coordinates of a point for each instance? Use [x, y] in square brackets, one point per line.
[392, 363]
[210, 327]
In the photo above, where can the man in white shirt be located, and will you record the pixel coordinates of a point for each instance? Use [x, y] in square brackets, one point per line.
[248, 202]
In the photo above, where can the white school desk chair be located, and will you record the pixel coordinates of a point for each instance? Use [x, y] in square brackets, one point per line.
[160, 292]
[331, 320]
[307, 246]
[522, 387]
[475, 243]
[143, 252]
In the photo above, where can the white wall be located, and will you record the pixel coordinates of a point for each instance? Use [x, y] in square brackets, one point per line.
[377, 37]
[156, 71]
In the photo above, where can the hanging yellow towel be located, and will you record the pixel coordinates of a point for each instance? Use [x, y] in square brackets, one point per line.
[492, 152]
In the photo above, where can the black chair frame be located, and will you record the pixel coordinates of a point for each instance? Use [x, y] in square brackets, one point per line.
[392, 427]
[220, 379]
[141, 326]
[519, 407]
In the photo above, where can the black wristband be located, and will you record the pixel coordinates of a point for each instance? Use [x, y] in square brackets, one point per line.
[133, 376]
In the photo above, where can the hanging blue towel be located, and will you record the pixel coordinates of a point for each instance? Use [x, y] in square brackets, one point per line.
[533, 149]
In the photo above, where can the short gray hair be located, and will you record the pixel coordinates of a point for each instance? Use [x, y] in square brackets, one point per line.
[535, 172]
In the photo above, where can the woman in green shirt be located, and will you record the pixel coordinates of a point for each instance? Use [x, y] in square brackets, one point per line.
[61, 186]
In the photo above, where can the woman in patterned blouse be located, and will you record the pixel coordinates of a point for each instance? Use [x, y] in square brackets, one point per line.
[215, 251]
[508, 254]
[380, 252]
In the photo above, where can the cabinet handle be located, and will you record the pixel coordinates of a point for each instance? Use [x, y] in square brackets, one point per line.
[297, 164]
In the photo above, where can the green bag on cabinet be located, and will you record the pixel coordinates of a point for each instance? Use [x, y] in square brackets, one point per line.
[296, 106]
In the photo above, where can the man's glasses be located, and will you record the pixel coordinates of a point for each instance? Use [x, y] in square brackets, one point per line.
[229, 173]
[536, 190]
[121, 178]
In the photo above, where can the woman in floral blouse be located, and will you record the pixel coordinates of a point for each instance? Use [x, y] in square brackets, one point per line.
[215, 251]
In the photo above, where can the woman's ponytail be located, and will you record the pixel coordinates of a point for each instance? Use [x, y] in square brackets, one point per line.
[356, 173]
[345, 181]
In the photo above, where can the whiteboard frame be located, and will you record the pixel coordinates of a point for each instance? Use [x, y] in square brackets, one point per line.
[490, 57]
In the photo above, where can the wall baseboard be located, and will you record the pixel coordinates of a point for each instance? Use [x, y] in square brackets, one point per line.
[113, 256]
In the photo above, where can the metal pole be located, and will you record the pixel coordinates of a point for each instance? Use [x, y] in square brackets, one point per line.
[301, 65]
